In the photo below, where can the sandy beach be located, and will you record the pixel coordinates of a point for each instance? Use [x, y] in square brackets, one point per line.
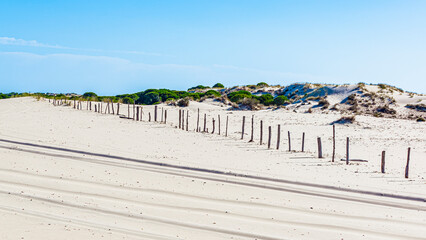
[78, 174]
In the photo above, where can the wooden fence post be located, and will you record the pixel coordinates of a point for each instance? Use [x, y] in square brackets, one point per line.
[155, 113]
[187, 120]
[278, 136]
[112, 107]
[118, 108]
[218, 123]
[252, 129]
[383, 162]
[261, 132]
[334, 143]
[162, 114]
[242, 131]
[289, 142]
[205, 122]
[149, 116]
[303, 142]
[96, 108]
[133, 110]
[165, 116]
[137, 113]
[128, 110]
[183, 119]
[198, 121]
[269, 137]
[213, 125]
[90, 105]
[408, 163]
[226, 131]
[347, 150]
[319, 147]
[180, 118]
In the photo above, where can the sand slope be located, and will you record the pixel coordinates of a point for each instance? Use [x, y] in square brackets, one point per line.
[82, 175]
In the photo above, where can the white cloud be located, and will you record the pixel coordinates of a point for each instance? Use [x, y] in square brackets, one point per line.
[22, 42]
[34, 43]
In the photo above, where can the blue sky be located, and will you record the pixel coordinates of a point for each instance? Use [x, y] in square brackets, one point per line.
[114, 47]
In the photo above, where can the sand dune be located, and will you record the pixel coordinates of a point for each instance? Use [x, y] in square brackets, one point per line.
[84, 175]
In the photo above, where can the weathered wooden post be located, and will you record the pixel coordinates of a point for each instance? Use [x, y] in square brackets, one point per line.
[218, 123]
[118, 108]
[252, 129]
[243, 124]
[141, 113]
[205, 122]
[108, 108]
[133, 110]
[303, 142]
[261, 132]
[128, 110]
[99, 107]
[90, 105]
[183, 119]
[149, 116]
[155, 113]
[408, 163]
[162, 114]
[165, 116]
[383, 162]
[319, 147]
[269, 137]
[187, 120]
[289, 142]
[198, 121]
[334, 143]
[180, 117]
[137, 113]
[213, 125]
[278, 136]
[55, 100]
[226, 130]
[96, 108]
[112, 107]
[87, 104]
[347, 150]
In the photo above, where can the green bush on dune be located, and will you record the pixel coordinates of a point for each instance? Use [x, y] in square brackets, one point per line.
[280, 100]
[239, 95]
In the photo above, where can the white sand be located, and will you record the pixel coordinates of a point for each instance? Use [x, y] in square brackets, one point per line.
[61, 193]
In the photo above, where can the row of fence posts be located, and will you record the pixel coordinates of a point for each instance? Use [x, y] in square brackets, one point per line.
[319, 143]
[184, 125]
[137, 111]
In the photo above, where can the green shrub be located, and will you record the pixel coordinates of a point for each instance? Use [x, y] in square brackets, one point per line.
[212, 93]
[150, 98]
[262, 84]
[195, 96]
[198, 87]
[239, 95]
[266, 99]
[280, 100]
[89, 95]
[127, 100]
[218, 85]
